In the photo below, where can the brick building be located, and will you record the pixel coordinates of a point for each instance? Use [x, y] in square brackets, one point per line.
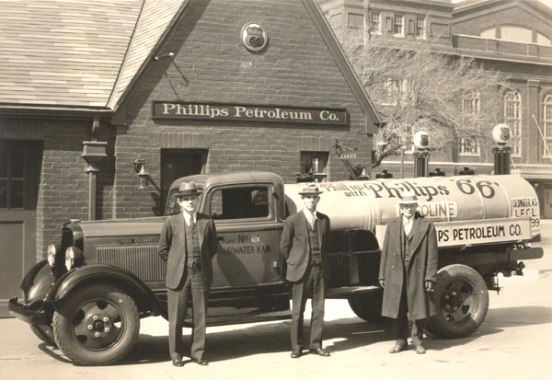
[165, 87]
[510, 36]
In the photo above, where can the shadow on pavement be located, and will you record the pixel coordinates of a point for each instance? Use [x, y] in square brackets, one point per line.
[339, 335]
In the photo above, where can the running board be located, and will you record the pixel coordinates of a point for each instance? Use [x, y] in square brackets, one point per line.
[349, 291]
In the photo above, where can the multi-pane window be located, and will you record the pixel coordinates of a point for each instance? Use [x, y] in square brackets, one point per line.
[469, 146]
[512, 117]
[12, 176]
[314, 163]
[375, 22]
[471, 103]
[398, 25]
[420, 27]
[547, 126]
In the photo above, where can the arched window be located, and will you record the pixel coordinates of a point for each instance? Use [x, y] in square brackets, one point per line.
[512, 117]
[471, 105]
[547, 126]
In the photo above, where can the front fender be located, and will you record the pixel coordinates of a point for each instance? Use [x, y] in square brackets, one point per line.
[145, 299]
[37, 282]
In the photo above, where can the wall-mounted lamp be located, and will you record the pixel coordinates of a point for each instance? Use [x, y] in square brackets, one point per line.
[143, 175]
[169, 54]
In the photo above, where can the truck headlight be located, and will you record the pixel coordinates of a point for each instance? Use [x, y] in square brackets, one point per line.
[73, 258]
[51, 254]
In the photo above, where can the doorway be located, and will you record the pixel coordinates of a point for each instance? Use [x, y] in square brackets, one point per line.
[20, 163]
[176, 163]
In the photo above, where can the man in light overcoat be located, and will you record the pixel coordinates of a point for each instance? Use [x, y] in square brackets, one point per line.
[408, 271]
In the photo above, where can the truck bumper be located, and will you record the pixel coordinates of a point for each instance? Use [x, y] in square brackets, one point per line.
[29, 314]
[527, 253]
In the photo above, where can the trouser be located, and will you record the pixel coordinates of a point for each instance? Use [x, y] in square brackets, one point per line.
[177, 304]
[402, 324]
[312, 285]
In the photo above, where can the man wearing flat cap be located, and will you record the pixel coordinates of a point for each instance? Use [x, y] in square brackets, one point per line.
[303, 244]
[188, 242]
[408, 270]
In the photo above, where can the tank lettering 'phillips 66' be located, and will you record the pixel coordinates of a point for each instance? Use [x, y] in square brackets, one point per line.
[101, 277]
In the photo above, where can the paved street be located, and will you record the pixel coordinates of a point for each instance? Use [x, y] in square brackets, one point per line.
[514, 342]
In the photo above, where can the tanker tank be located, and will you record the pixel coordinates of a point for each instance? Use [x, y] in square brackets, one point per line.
[450, 200]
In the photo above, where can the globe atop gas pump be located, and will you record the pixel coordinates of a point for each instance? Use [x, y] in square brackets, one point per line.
[502, 134]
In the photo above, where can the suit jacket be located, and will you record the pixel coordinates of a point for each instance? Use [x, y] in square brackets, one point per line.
[295, 243]
[172, 248]
[421, 267]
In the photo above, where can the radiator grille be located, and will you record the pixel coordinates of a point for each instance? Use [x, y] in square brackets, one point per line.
[142, 260]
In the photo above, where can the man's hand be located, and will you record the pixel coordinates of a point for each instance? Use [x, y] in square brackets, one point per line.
[429, 286]
[382, 283]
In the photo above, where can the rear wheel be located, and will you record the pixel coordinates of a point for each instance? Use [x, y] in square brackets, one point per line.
[461, 300]
[368, 307]
[96, 325]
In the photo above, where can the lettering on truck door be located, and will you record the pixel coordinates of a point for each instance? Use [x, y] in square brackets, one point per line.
[248, 235]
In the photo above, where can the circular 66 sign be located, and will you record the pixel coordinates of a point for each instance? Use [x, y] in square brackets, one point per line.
[254, 37]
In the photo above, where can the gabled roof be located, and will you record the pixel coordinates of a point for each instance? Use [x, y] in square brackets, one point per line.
[76, 53]
[84, 55]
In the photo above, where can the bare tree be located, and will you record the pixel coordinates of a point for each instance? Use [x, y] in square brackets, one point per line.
[422, 85]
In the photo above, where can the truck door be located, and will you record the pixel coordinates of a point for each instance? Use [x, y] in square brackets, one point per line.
[248, 234]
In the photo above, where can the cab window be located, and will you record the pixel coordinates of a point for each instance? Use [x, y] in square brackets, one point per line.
[240, 203]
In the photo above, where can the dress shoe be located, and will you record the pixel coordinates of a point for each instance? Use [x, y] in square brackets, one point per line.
[201, 361]
[420, 349]
[178, 363]
[296, 354]
[319, 351]
[397, 348]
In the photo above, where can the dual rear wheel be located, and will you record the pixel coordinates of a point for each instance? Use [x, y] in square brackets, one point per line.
[461, 301]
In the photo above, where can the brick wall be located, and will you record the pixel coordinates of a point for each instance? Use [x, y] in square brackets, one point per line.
[211, 65]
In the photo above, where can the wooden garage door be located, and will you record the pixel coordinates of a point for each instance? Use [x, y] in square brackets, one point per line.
[19, 178]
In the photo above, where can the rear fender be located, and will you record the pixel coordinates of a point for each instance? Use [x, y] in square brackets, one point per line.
[145, 299]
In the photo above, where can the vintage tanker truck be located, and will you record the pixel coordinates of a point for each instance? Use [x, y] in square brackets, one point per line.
[88, 295]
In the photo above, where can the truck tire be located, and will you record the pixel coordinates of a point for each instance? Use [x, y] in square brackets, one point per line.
[461, 301]
[368, 307]
[96, 325]
[45, 334]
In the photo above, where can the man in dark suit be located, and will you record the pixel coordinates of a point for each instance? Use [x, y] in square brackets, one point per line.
[408, 270]
[188, 242]
[303, 245]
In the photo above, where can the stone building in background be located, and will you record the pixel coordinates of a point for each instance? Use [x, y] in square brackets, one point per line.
[513, 37]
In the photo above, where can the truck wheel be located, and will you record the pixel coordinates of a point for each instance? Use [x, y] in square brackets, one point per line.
[461, 301]
[45, 334]
[96, 325]
[368, 307]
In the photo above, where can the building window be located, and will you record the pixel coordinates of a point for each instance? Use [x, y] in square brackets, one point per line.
[469, 146]
[512, 117]
[314, 163]
[420, 27]
[471, 102]
[398, 25]
[375, 22]
[547, 121]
